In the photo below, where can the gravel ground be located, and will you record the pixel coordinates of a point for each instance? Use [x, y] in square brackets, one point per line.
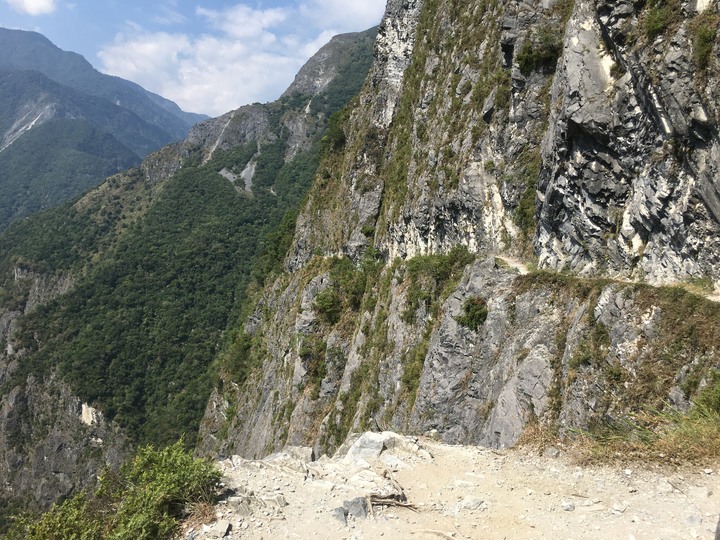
[461, 492]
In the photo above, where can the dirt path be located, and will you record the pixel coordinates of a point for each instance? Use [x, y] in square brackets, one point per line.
[518, 265]
[466, 492]
[523, 269]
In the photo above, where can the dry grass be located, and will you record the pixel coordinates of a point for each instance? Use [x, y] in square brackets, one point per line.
[538, 437]
[662, 437]
[201, 513]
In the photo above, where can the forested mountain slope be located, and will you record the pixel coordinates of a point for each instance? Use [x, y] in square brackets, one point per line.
[120, 301]
[64, 127]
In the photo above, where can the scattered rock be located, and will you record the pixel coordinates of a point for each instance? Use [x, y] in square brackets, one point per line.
[357, 507]
[545, 492]
[219, 529]
[241, 506]
[369, 446]
[301, 453]
[619, 508]
[340, 513]
[473, 503]
[275, 501]
[551, 452]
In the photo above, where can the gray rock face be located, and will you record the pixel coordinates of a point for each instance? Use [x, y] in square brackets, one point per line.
[602, 160]
[631, 154]
[76, 445]
[322, 68]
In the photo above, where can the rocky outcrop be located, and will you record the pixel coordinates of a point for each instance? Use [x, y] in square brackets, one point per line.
[630, 159]
[551, 349]
[76, 444]
[324, 67]
[560, 133]
[27, 116]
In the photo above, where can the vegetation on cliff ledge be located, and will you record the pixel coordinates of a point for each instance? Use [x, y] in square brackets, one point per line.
[144, 500]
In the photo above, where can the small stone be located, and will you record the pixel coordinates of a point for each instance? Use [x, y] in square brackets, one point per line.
[551, 452]
[472, 503]
[567, 506]
[357, 507]
[219, 529]
[277, 500]
[340, 513]
[708, 471]
[618, 508]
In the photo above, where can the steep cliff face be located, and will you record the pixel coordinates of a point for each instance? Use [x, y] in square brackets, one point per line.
[629, 183]
[581, 137]
[52, 444]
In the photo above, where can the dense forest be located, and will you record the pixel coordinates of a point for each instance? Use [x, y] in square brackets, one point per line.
[161, 271]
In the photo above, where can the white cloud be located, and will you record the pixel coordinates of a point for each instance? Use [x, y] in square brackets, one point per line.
[246, 55]
[341, 13]
[169, 16]
[244, 22]
[32, 7]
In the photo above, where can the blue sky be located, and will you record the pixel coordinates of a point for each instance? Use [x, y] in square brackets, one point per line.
[206, 55]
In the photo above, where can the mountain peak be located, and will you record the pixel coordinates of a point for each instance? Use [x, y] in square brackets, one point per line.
[323, 66]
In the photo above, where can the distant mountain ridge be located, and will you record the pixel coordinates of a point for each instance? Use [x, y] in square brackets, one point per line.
[64, 126]
[25, 50]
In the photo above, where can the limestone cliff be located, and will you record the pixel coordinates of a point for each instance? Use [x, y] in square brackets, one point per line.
[580, 137]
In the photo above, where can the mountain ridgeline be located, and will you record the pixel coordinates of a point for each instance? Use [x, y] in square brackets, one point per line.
[65, 127]
[119, 302]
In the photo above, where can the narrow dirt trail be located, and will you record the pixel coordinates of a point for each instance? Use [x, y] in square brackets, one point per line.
[515, 263]
[522, 268]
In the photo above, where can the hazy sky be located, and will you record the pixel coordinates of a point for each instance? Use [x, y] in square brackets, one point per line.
[208, 56]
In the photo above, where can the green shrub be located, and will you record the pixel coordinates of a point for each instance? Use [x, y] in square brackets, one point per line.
[703, 30]
[541, 51]
[592, 349]
[525, 213]
[335, 137]
[475, 313]
[661, 15]
[328, 305]
[313, 351]
[709, 397]
[142, 501]
[432, 276]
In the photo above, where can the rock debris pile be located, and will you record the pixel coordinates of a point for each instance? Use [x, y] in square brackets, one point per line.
[383, 485]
